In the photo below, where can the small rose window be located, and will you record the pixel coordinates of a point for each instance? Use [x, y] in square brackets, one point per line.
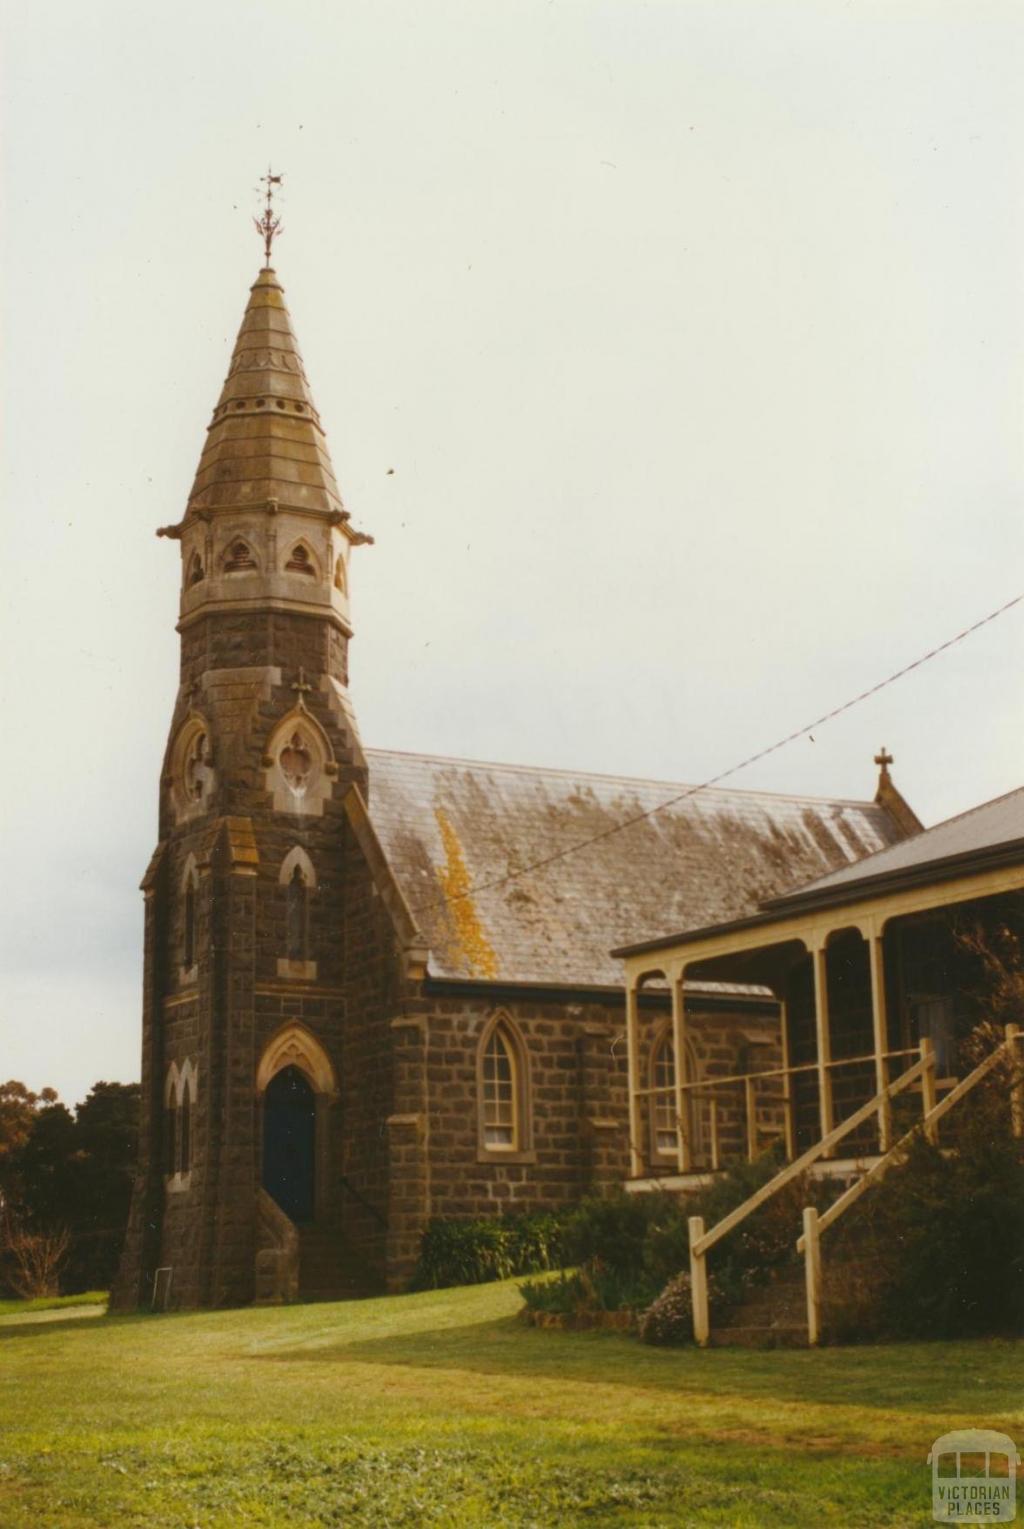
[197, 768]
[296, 763]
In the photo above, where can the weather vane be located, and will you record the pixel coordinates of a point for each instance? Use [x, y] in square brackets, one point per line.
[268, 226]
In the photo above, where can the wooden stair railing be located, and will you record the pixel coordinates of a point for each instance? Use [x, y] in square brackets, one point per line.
[701, 1241]
[814, 1224]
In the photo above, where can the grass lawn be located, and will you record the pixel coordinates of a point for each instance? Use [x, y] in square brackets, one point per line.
[52, 1303]
[440, 1409]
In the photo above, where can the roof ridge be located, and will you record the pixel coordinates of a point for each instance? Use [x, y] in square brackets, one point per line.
[639, 780]
[862, 866]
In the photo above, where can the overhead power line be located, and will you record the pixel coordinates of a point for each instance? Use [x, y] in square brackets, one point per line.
[715, 780]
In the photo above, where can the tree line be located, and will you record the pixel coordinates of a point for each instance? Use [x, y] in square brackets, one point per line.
[65, 1186]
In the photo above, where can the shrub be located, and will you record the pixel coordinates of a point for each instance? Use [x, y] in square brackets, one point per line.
[669, 1318]
[476, 1252]
[629, 1248]
[937, 1248]
[563, 1293]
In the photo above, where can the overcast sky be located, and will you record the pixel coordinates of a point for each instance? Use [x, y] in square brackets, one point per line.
[691, 331]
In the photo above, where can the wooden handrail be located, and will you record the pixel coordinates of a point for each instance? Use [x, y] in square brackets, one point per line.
[820, 1149]
[770, 1072]
[899, 1151]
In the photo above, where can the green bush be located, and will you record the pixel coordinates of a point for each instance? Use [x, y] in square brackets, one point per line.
[669, 1318]
[629, 1248]
[564, 1293]
[936, 1250]
[476, 1252]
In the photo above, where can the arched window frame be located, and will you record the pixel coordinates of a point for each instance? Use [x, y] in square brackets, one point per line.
[307, 565]
[665, 1153]
[170, 1136]
[230, 565]
[189, 920]
[520, 1148]
[297, 864]
[180, 1096]
[319, 784]
[185, 1129]
[194, 738]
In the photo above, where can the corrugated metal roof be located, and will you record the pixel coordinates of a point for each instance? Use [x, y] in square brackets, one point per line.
[447, 825]
[981, 828]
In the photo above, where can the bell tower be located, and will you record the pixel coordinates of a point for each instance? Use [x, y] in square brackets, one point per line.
[244, 1012]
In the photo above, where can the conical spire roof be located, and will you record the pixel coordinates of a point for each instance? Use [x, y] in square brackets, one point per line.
[265, 440]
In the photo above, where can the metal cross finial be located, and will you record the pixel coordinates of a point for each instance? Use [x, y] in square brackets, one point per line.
[302, 687]
[268, 226]
[884, 760]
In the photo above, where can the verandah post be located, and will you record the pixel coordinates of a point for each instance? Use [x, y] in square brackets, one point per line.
[636, 1162]
[812, 1272]
[685, 1159]
[788, 1102]
[880, 1024]
[819, 962]
[699, 1283]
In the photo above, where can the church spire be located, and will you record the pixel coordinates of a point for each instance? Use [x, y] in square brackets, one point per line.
[265, 440]
[265, 527]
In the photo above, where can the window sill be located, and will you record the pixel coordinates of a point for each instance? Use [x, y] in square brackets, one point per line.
[178, 1183]
[504, 1155]
[188, 976]
[298, 971]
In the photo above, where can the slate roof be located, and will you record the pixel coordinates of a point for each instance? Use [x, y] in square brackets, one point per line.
[981, 828]
[450, 824]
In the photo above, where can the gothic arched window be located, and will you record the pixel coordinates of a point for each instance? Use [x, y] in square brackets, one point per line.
[197, 768]
[297, 919]
[196, 572]
[300, 766]
[499, 1092]
[664, 1121]
[185, 1129]
[663, 1077]
[179, 1097]
[239, 559]
[503, 1084]
[191, 776]
[300, 561]
[190, 914]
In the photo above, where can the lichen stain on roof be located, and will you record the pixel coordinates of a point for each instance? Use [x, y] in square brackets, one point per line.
[711, 857]
[472, 948]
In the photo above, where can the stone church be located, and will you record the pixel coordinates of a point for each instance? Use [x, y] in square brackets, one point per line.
[359, 1013]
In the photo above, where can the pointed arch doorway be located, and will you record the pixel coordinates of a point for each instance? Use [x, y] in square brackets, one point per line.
[296, 1084]
[289, 1144]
